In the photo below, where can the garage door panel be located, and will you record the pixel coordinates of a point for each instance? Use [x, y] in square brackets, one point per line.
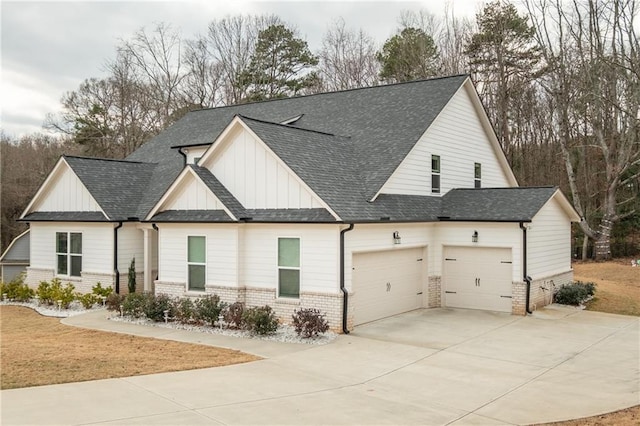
[386, 283]
[478, 278]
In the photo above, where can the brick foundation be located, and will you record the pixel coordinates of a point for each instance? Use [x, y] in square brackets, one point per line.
[35, 275]
[542, 290]
[330, 304]
[518, 297]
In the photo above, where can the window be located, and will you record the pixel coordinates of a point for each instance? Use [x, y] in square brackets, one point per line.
[196, 262]
[435, 174]
[477, 173]
[289, 267]
[69, 253]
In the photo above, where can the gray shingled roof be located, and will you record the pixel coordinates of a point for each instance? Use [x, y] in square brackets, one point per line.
[64, 217]
[203, 216]
[382, 123]
[117, 186]
[495, 204]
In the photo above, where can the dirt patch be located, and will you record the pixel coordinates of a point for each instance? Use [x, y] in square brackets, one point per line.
[37, 350]
[617, 286]
[626, 417]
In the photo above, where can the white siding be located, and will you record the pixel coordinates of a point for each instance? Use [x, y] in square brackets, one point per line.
[97, 245]
[66, 193]
[459, 138]
[505, 235]
[130, 245]
[319, 256]
[195, 152]
[256, 177]
[365, 238]
[192, 194]
[549, 242]
[222, 246]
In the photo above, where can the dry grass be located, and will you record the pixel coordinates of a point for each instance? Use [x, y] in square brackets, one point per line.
[37, 350]
[617, 292]
[617, 286]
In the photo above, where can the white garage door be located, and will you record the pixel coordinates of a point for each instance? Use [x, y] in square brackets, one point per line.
[477, 278]
[386, 283]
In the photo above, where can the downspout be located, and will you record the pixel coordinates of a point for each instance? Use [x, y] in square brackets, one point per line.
[154, 226]
[527, 278]
[345, 299]
[115, 256]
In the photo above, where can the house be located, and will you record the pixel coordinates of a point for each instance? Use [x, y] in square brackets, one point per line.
[363, 203]
[15, 259]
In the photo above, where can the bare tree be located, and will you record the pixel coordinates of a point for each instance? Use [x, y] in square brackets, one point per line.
[202, 84]
[347, 58]
[591, 50]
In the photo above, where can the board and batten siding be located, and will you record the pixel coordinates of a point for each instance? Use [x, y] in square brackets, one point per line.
[67, 193]
[97, 245]
[319, 256]
[130, 245]
[256, 178]
[549, 242]
[195, 152]
[500, 235]
[458, 137]
[369, 238]
[192, 194]
[221, 247]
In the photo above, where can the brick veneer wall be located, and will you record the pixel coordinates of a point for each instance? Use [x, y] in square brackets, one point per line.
[35, 275]
[330, 304]
[518, 297]
[542, 290]
[435, 291]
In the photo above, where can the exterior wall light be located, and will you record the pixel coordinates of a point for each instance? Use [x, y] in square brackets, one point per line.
[396, 238]
[474, 237]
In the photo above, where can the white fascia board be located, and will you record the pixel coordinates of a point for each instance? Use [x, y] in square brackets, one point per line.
[490, 132]
[566, 205]
[49, 181]
[175, 186]
[218, 145]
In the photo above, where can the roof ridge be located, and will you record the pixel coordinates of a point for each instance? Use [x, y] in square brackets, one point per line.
[443, 77]
[286, 126]
[506, 187]
[115, 160]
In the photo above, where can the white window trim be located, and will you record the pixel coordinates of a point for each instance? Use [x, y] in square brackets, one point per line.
[291, 268]
[68, 254]
[206, 270]
[438, 173]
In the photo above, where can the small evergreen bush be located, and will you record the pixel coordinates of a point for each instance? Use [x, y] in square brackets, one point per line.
[232, 315]
[260, 320]
[114, 302]
[52, 292]
[575, 293]
[208, 308]
[131, 279]
[87, 300]
[309, 322]
[154, 306]
[183, 310]
[133, 305]
[17, 290]
[100, 291]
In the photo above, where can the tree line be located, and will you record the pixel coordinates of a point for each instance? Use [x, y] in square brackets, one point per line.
[560, 81]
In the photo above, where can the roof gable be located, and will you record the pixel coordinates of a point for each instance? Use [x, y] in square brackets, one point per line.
[63, 191]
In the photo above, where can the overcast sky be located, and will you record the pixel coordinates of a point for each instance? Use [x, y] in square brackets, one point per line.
[49, 48]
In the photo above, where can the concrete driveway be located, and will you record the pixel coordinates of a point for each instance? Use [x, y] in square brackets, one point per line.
[434, 367]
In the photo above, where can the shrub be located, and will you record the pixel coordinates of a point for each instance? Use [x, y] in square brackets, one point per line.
[260, 320]
[183, 310]
[52, 292]
[309, 322]
[17, 290]
[87, 300]
[131, 281]
[154, 306]
[100, 291]
[133, 305]
[114, 302]
[208, 308]
[575, 293]
[232, 315]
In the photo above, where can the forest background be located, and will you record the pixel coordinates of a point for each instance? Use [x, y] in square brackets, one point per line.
[560, 81]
